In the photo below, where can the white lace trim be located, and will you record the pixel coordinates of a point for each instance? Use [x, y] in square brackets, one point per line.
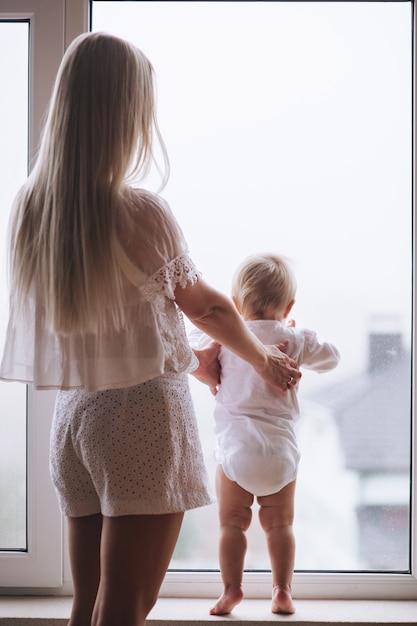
[179, 271]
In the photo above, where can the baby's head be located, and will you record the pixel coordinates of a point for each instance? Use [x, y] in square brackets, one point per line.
[264, 287]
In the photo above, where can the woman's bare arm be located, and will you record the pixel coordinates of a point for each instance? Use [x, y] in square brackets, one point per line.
[214, 314]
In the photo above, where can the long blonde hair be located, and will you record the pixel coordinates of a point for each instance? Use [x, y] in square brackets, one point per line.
[98, 133]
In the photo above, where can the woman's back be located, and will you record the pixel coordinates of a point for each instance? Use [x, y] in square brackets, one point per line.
[153, 256]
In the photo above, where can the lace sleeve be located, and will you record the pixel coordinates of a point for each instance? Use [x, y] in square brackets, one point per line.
[180, 271]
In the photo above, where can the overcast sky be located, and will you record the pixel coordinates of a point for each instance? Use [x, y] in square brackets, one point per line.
[289, 129]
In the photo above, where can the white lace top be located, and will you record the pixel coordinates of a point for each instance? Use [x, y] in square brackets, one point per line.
[153, 341]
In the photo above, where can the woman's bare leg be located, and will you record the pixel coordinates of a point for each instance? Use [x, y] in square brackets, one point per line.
[135, 554]
[276, 515]
[235, 516]
[84, 535]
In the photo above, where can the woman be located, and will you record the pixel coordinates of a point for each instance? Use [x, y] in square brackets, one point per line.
[99, 274]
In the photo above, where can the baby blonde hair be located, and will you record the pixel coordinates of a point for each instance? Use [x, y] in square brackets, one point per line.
[98, 133]
[263, 282]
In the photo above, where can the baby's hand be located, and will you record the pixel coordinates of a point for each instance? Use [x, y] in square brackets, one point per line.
[290, 323]
[208, 371]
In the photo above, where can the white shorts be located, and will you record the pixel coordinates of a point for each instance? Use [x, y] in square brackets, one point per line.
[128, 451]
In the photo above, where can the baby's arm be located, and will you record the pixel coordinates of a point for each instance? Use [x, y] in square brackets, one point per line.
[206, 351]
[208, 370]
[320, 356]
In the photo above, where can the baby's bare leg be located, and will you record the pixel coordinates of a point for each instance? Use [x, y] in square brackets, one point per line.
[276, 515]
[235, 516]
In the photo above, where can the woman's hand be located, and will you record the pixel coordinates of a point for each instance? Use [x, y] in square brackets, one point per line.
[279, 370]
[215, 315]
[208, 371]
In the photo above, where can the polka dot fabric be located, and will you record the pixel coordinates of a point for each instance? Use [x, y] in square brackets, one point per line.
[128, 451]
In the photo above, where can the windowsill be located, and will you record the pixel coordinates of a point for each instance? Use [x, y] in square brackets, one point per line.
[54, 611]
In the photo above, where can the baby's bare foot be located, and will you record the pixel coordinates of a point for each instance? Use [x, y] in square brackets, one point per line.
[282, 601]
[227, 601]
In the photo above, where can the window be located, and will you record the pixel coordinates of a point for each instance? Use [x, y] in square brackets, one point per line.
[296, 139]
[13, 161]
[32, 555]
[307, 188]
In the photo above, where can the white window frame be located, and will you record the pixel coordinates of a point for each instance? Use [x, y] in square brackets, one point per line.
[42, 565]
[45, 568]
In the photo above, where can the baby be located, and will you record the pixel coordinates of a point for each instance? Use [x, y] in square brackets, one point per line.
[257, 449]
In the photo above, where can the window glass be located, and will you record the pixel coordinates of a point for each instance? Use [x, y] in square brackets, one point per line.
[13, 165]
[288, 126]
